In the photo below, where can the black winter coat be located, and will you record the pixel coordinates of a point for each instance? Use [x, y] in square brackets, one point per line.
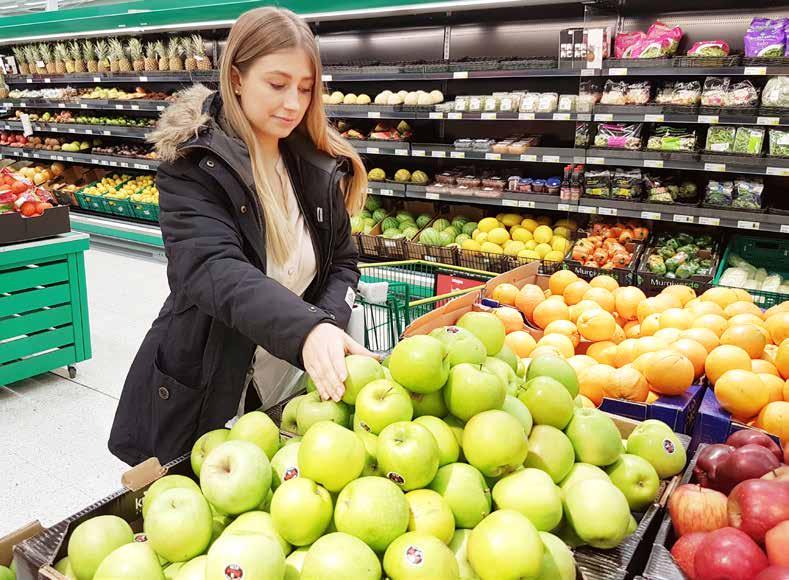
[189, 373]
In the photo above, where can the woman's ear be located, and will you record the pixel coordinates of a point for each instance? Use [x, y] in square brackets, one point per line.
[235, 79]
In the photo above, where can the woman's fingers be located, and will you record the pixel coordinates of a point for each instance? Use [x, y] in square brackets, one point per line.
[353, 347]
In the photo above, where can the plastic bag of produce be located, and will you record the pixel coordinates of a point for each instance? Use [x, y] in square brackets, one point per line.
[626, 183]
[665, 93]
[714, 93]
[742, 94]
[624, 42]
[720, 138]
[657, 187]
[765, 38]
[772, 282]
[618, 135]
[686, 93]
[779, 142]
[734, 277]
[709, 48]
[614, 93]
[638, 93]
[748, 193]
[719, 193]
[597, 183]
[588, 95]
[776, 92]
[666, 138]
[749, 140]
[582, 134]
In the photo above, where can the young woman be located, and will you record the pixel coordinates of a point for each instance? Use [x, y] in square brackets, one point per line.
[255, 191]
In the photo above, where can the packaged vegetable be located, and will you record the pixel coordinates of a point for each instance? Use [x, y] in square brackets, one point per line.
[719, 193]
[567, 103]
[665, 93]
[779, 142]
[548, 103]
[618, 135]
[666, 138]
[597, 183]
[588, 95]
[765, 38]
[582, 134]
[661, 30]
[749, 140]
[720, 138]
[748, 193]
[742, 94]
[529, 102]
[638, 93]
[776, 92]
[714, 93]
[626, 183]
[686, 93]
[614, 93]
[709, 48]
[624, 42]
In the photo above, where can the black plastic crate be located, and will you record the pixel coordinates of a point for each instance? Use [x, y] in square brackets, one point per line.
[639, 62]
[624, 276]
[707, 61]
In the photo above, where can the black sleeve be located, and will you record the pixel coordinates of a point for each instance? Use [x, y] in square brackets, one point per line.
[206, 262]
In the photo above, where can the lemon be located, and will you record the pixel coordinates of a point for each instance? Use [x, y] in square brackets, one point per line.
[530, 245]
[491, 248]
[498, 236]
[560, 245]
[482, 237]
[561, 231]
[513, 248]
[487, 224]
[510, 219]
[543, 234]
[542, 249]
[471, 245]
[530, 254]
[521, 235]
[529, 224]
[554, 256]
[544, 220]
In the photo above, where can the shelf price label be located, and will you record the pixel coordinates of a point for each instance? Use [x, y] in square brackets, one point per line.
[755, 70]
[326, 78]
[454, 116]
[650, 215]
[712, 119]
[587, 209]
[83, 105]
[436, 115]
[525, 116]
[527, 204]
[457, 154]
[141, 166]
[603, 117]
[782, 171]
[714, 167]
[709, 221]
[119, 107]
[595, 160]
[143, 79]
[107, 132]
[386, 192]
[550, 159]
[658, 163]
[135, 107]
[493, 156]
[418, 152]
[488, 116]
[561, 116]
[563, 207]
[158, 107]
[96, 79]
[402, 152]
[61, 105]
[617, 72]
[606, 211]
[440, 154]
[768, 120]
[462, 74]
[509, 202]
[652, 118]
[373, 114]
[433, 196]
[684, 219]
[373, 150]
[785, 229]
[746, 225]
[531, 158]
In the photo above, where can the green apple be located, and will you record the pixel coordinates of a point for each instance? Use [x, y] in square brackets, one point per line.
[331, 455]
[339, 555]
[130, 561]
[171, 571]
[419, 556]
[7, 574]
[551, 451]
[294, 564]
[566, 534]
[582, 472]
[598, 512]
[381, 403]
[407, 453]
[313, 409]
[372, 509]
[636, 478]
[285, 464]
[236, 477]
[632, 525]
[532, 493]
[420, 364]
[466, 492]
[179, 524]
[462, 346]
[495, 443]
[63, 566]
[520, 411]
[459, 546]
[508, 356]
[258, 428]
[548, 401]
[92, 540]
[194, 569]
[266, 503]
[370, 442]
[485, 326]
[502, 370]
[472, 389]
[361, 371]
[520, 372]
[505, 545]
[448, 447]
[162, 485]
[245, 555]
[594, 436]
[557, 559]
[656, 443]
[429, 404]
[218, 524]
[204, 445]
[289, 422]
[301, 509]
[258, 522]
[429, 513]
[557, 368]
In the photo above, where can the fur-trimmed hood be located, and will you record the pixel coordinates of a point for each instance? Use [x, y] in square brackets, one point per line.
[181, 122]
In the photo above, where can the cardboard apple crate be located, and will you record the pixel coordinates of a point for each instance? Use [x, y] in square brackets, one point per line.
[440, 254]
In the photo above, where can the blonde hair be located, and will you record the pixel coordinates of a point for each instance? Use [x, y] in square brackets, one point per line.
[255, 34]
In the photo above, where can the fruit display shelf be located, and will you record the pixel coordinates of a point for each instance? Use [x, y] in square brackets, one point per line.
[77, 129]
[98, 104]
[85, 158]
[136, 77]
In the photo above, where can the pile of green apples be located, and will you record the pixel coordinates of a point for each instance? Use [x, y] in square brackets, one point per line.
[451, 459]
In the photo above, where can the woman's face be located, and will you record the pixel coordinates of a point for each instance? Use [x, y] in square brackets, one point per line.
[275, 92]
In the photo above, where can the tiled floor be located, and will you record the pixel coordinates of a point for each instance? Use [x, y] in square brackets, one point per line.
[53, 430]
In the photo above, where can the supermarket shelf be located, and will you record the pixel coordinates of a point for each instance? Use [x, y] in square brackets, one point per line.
[98, 78]
[329, 76]
[75, 129]
[117, 234]
[714, 163]
[90, 104]
[670, 71]
[439, 151]
[86, 158]
[728, 118]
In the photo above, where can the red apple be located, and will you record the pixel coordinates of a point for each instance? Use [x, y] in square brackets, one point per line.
[710, 458]
[774, 573]
[753, 437]
[684, 551]
[747, 462]
[776, 541]
[728, 554]
[758, 505]
[697, 509]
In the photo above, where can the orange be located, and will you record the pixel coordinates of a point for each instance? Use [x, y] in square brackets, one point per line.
[619, 335]
[603, 352]
[560, 342]
[715, 322]
[770, 352]
[699, 308]
[774, 418]
[521, 342]
[774, 385]
[649, 306]
[742, 295]
[782, 358]
[593, 380]
[778, 325]
[747, 318]
[550, 310]
[669, 372]
[725, 358]
[583, 305]
[707, 338]
[574, 292]
[747, 337]
[560, 279]
[627, 300]
[545, 350]
[566, 328]
[782, 307]
[651, 324]
[742, 307]
[604, 281]
[580, 362]
[596, 325]
[627, 383]
[668, 335]
[650, 344]
[632, 329]
[602, 296]
[693, 351]
[762, 366]
[675, 318]
[680, 292]
[505, 294]
[652, 397]
[528, 298]
[786, 391]
[510, 317]
[669, 301]
[642, 362]
[741, 393]
[626, 352]
[720, 296]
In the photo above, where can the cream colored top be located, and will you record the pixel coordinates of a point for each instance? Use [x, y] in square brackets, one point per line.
[274, 378]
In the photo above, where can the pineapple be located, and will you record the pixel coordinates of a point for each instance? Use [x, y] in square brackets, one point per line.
[45, 52]
[61, 58]
[189, 52]
[164, 64]
[102, 51]
[21, 60]
[75, 52]
[200, 56]
[119, 56]
[31, 54]
[40, 52]
[174, 51]
[151, 62]
[89, 54]
[134, 47]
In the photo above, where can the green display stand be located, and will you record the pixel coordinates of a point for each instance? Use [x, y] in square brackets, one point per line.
[43, 306]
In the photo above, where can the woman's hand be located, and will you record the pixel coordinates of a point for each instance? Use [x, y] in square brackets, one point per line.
[324, 359]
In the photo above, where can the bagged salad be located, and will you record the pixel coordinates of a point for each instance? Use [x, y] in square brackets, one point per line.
[719, 193]
[709, 48]
[776, 92]
[666, 138]
[597, 183]
[720, 138]
[765, 38]
[715, 90]
[779, 143]
[582, 134]
[626, 183]
[749, 140]
[618, 136]
[742, 94]
[748, 193]
[660, 41]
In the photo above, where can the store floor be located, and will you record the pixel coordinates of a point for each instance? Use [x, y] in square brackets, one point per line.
[53, 430]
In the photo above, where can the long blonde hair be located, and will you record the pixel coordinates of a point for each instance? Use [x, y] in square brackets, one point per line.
[255, 34]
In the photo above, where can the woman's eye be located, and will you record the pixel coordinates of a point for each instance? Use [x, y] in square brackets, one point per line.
[306, 91]
[277, 87]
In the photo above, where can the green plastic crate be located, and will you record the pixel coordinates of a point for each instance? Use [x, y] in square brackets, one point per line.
[122, 207]
[100, 203]
[145, 211]
[772, 254]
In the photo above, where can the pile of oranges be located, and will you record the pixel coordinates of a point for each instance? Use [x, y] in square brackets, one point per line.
[624, 345]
